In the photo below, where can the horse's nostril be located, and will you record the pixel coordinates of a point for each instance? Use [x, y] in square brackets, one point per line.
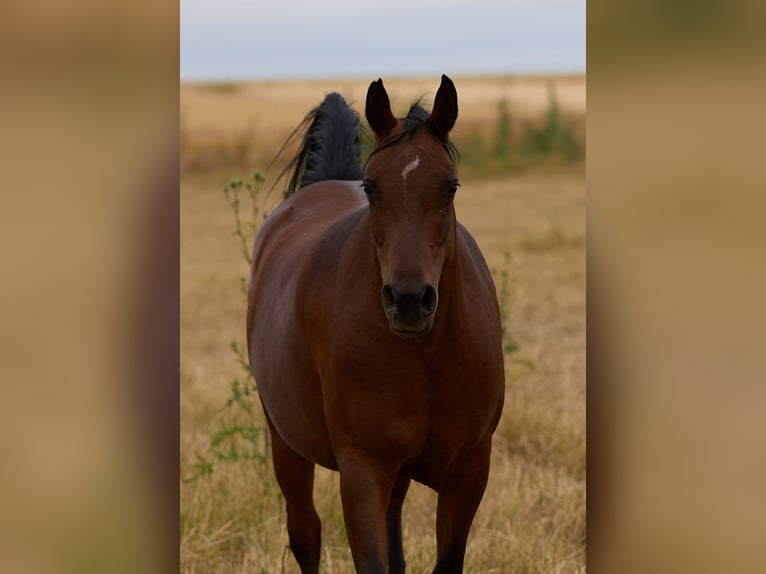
[409, 307]
[429, 300]
[387, 294]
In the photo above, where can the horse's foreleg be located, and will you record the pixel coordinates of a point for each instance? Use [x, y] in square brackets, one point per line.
[365, 488]
[457, 505]
[295, 476]
[396, 563]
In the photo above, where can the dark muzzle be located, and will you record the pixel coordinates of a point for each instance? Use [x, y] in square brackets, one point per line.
[410, 309]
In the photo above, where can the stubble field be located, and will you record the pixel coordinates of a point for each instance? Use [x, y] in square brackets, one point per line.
[532, 517]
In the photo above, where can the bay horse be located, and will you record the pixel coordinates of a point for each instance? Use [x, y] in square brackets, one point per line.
[374, 332]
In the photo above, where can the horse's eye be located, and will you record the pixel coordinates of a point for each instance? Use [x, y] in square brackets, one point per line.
[368, 189]
[452, 188]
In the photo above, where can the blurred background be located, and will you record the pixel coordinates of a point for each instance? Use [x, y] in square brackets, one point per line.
[249, 74]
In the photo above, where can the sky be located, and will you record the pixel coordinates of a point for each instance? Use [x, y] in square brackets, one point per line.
[284, 39]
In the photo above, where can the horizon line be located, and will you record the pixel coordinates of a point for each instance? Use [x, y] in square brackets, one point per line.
[359, 77]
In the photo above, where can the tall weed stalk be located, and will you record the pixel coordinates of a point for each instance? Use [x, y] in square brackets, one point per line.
[237, 436]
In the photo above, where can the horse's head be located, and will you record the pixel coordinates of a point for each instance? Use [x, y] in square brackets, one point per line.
[410, 182]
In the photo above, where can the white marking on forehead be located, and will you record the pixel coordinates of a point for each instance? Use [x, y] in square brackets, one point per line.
[410, 167]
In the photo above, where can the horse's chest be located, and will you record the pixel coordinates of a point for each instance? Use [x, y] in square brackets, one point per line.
[463, 395]
[422, 409]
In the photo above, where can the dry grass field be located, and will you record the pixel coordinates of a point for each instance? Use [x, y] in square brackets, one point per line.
[532, 517]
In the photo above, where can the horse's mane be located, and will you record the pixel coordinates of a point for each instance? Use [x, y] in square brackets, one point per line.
[331, 143]
[330, 149]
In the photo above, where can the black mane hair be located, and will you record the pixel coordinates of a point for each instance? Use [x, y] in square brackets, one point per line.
[331, 143]
[331, 146]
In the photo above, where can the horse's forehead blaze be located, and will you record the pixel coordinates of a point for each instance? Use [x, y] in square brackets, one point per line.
[409, 168]
[406, 170]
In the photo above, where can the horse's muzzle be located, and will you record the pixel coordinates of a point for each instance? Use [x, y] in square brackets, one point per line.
[410, 310]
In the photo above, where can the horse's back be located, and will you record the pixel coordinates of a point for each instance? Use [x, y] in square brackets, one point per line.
[290, 234]
[282, 362]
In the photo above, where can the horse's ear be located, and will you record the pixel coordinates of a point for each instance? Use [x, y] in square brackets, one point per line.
[378, 109]
[444, 114]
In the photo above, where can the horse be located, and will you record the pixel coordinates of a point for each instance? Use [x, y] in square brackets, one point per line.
[373, 331]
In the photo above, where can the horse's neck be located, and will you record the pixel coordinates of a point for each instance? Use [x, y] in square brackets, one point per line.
[451, 304]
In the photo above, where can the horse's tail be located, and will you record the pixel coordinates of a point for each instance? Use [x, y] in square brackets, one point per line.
[331, 146]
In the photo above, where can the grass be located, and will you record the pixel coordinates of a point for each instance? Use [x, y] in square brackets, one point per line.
[528, 123]
[505, 145]
[510, 144]
[532, 518]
